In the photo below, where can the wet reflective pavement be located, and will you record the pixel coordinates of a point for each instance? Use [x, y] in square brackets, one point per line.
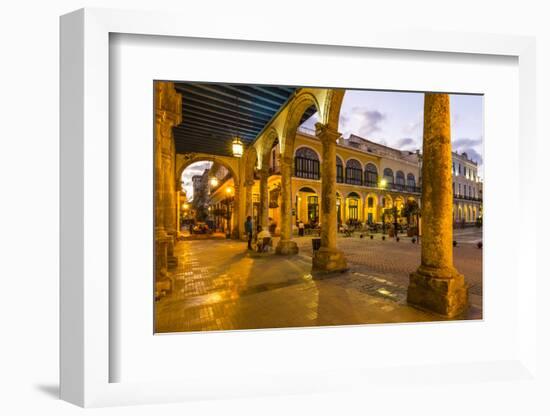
[219, 286]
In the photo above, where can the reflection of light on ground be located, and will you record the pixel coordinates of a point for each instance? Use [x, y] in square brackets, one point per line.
[385, 292]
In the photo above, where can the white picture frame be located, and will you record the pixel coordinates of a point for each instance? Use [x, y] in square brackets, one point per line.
[85, 166]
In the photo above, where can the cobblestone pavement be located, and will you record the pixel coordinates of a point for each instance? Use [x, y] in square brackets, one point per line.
[220, 286]
[394, 261]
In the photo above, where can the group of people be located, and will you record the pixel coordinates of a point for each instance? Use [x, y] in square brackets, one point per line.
[263, 236]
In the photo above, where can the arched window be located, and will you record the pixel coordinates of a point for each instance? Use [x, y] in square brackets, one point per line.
[388, 176]
[354, 172]
[411, 182]
[306, 164]
[339, 170]
[400, 180]
[371, 175]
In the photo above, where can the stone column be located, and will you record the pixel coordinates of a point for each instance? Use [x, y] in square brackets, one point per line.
[286, 246]
[436, 285]
[167, 114]
[264, 197]
[178, 208]
[248, 186]
[236, 220]
[328, 258]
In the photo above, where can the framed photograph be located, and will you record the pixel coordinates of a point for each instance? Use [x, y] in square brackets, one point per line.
[288, 213]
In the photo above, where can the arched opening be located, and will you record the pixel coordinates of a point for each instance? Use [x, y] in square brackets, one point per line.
[371, 208]
[303, 115]
[354, 172]
[307, 207]
[371, 175]
[207, 198]
[400, 180]
[307, 164]
[411, 183]
[399, 204]
[339, 170]
[274, 152]
[353, 202]
[388, 177]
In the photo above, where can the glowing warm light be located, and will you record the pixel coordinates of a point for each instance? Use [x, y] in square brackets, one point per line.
[383, 183]
[185, 206]
[228, 190]
[237, 147]
[214, 182]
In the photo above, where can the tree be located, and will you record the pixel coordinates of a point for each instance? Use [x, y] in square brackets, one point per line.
[410, 210]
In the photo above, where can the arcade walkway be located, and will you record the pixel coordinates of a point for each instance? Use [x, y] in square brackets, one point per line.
[218, 286]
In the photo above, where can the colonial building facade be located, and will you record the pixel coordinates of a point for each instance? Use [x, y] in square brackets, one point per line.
[370, 178]
[467, 190]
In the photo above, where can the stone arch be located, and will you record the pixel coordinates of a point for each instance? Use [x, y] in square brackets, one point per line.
[250, 163]
[266, 143]
[301, 102]
[184, 160]
[333, 105]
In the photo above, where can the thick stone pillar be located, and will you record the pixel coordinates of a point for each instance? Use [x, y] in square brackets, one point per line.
[264, 197]
[167, 115]
[286, 246]
[328, 258]
[436, 285]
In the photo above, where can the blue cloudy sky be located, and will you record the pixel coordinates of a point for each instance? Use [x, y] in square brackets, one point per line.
[396, 119]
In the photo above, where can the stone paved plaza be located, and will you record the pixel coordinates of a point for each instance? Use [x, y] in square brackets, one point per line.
[220, 286]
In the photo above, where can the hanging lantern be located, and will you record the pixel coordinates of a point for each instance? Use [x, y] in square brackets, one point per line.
[213, 182]
[237, 147]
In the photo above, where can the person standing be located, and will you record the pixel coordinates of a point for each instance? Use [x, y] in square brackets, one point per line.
[249, 228]
[301, 228]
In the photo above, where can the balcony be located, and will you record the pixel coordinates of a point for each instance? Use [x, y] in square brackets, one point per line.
[467, 198]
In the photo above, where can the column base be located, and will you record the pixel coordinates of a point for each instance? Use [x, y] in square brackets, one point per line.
[286, 247]
[163, 287]
[444, 292]
[328, 260]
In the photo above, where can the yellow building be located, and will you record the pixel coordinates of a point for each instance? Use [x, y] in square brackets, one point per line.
[370, 178]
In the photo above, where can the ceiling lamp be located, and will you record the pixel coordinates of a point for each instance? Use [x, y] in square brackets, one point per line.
[237, 147]
[214, 182]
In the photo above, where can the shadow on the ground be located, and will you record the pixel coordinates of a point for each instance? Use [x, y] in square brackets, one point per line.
[51, 390]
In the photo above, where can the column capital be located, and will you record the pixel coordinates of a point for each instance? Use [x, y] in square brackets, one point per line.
[323, 132]
[285, 159]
